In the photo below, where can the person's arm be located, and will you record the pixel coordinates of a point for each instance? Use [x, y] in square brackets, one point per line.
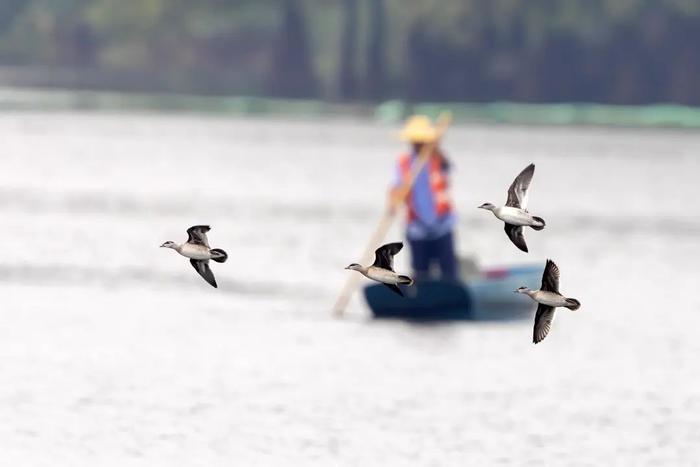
[394, 191]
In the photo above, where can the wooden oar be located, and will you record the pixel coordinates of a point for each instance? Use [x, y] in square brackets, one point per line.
[443, 122]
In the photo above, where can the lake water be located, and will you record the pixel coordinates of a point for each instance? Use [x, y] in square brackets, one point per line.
[114, 352]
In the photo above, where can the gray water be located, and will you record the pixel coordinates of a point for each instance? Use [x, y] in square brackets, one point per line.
[114, 352]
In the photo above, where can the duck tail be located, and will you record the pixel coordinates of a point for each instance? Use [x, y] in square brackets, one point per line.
[405, 280]
[541, 224]
[218, 255]
[573, 304]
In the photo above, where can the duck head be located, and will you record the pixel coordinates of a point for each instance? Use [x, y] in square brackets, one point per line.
[169, 244]
[487, 206]
[522, 290]
[355, 267]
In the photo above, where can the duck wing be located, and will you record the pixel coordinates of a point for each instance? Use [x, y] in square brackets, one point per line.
[517, 193]
[543, 322]
[198, 235]
[515, 233]
[384, 255]
[550, 277]
[202, 267]
[395, 288]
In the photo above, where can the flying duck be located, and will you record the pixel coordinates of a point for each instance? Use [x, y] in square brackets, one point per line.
[548, 298]
[514, 213]
[197, 249]
[383, 268]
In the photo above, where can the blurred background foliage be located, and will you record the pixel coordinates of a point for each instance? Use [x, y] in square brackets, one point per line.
[609, 51]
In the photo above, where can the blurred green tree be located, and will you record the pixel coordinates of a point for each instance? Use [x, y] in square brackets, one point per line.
[291, 71]
[631, 51]
[347, 60]
[375, 70]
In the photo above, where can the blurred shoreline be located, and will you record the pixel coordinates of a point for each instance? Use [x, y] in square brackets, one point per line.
[393, 111]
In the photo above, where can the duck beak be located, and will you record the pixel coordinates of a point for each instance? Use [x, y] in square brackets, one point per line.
[163, 245]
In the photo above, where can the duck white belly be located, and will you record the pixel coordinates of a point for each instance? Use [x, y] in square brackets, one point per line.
[514, 216]
[549, 298]
[382, 275]
[199, 252]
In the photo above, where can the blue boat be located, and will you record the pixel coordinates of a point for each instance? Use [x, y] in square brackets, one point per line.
[486, 296]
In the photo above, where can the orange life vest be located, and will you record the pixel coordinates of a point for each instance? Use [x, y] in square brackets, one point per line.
[438, 185]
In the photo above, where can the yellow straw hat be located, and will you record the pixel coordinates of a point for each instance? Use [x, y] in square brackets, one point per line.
[419, 129]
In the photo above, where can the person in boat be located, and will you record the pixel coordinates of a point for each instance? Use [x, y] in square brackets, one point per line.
[430, 215]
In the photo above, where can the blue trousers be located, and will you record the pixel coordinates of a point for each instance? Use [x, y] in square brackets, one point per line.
[440, 251]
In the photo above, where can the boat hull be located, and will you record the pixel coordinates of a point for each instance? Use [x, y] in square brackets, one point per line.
[424, 301]
[488, 297]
